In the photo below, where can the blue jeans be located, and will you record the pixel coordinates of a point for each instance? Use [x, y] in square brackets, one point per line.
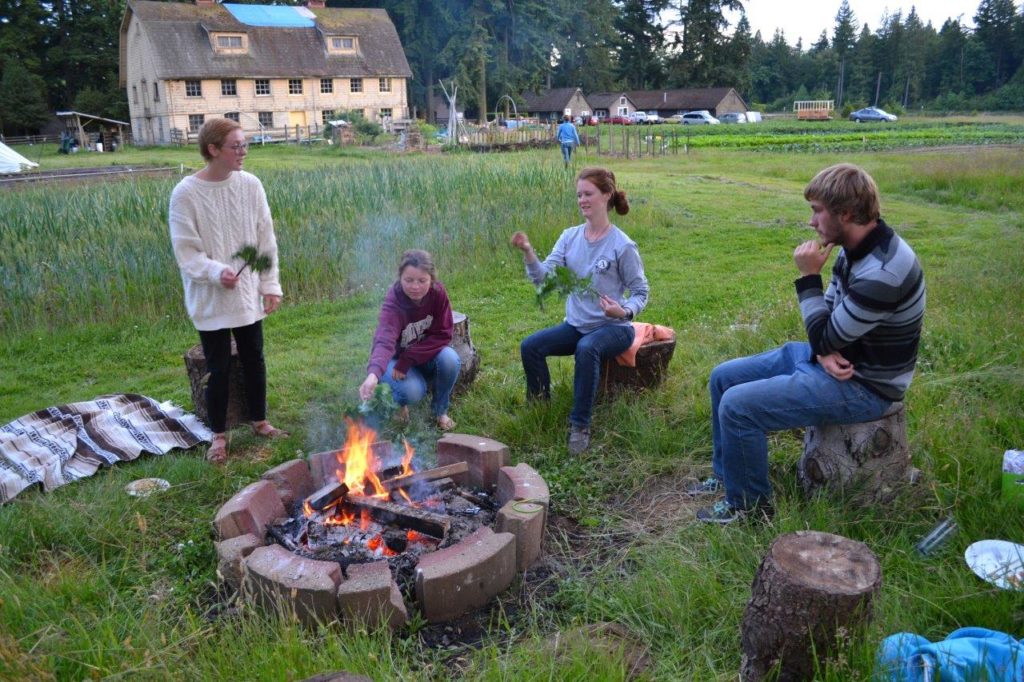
[439, 374]
[776, 390]
[590, 350]
[567, 148]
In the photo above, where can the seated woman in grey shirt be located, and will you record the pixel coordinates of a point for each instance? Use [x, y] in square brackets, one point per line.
[597, 325]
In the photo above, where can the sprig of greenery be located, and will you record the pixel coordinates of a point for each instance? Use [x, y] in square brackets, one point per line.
[564, 282]
[381, 404]
[253, 259]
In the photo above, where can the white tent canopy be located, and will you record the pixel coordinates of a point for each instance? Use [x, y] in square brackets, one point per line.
[13, 162]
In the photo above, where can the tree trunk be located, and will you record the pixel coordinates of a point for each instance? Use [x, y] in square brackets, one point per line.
[463, 345]
[811, 590]
[651, 368]
[195, 364]
[866, 463]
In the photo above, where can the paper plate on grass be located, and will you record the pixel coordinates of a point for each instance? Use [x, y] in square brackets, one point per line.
[998, 562]
[144, 487]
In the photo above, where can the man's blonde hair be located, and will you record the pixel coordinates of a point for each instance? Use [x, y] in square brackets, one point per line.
[846, 188]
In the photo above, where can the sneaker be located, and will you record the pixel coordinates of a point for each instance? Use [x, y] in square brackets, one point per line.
[709, 486]
[720, 512]
[579, 439]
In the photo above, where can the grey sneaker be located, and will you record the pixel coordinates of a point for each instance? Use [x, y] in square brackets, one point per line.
[579, 439]
[720, 512]
[709, 486]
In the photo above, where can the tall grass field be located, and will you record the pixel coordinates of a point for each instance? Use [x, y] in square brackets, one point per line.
[95, 584]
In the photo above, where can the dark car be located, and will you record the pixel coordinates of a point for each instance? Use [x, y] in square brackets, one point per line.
[590, 120]
[872, 114]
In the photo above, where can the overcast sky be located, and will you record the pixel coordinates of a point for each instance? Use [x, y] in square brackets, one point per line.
[808, 18]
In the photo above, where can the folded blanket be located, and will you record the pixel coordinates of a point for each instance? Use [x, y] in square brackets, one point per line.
[645, 333]
[62, 444]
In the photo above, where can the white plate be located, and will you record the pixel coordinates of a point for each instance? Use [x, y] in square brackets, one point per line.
[998, 562]
[144, 487]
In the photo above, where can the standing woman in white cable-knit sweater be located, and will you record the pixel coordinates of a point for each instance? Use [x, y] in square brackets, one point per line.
[213, 214]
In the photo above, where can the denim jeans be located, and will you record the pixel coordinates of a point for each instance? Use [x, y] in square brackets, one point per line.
[567, 148]
[776, 390]
[439, 374]
[590, 350]
[217, 349]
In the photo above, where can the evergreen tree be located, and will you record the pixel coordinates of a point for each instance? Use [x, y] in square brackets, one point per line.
[23, 108]
[585, 57]
[844, 36]
[994, 27]
[641, 43]
[701, 54]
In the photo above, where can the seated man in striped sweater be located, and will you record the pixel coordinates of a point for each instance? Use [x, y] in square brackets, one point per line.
[861, 348]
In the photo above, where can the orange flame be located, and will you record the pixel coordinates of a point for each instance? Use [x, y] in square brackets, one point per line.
[358, 463]
[307, 510]
[407, 460]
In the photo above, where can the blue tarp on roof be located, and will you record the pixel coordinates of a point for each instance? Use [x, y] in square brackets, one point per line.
[277, 16]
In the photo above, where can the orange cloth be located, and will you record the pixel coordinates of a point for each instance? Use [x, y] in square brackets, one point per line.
[645, 333]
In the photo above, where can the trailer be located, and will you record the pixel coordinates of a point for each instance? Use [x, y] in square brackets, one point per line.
[814, 109]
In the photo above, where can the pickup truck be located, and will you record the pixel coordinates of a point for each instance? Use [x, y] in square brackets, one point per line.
[638, 117]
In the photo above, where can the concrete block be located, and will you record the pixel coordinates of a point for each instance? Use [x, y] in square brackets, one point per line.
[465, 576]
[483, 455]
[370, 595]
[277, 579]
[229, 557]
[323, 467]
[525, 520]
[249, 511]
[521, 482]
[292, 480]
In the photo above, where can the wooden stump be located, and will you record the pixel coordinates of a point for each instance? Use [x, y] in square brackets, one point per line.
[867, 463]
[195, 363]
[463, 345]
[811, 590]
[651, 369]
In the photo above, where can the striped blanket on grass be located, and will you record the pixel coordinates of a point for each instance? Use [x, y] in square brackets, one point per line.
[62, 444]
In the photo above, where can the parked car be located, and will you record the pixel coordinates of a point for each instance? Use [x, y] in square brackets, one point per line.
[733, 117]
[653, 118]
[262, 139]
[638, 117]
[620, 120]
[872, 114]
[590, 121]
[702, 117]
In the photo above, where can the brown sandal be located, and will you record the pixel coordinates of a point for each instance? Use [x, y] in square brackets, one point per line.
[445, 423]
[267, 430]
[218, 452]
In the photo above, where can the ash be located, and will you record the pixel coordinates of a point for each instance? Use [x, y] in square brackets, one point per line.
[357, 543]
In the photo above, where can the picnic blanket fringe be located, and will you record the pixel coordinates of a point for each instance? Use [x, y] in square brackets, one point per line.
[65, 443]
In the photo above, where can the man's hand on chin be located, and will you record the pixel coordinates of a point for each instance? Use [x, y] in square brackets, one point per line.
[810, 257]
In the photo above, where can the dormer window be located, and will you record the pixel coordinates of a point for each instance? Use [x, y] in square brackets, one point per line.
[342, 44]
[230, 43]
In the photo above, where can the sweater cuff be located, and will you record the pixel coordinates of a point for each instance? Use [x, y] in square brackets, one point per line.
[808, 282]
[375, 371]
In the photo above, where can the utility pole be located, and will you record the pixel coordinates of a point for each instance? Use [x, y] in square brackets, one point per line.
[878, 87]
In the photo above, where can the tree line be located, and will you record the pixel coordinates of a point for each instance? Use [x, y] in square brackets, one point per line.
[60, 54]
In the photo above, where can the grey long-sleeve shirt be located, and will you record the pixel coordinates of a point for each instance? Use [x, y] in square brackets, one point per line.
[614, 267]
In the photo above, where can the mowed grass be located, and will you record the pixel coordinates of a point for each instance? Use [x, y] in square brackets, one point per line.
[95, 584]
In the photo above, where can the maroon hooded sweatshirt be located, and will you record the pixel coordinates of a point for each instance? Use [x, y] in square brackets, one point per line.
[412, 333]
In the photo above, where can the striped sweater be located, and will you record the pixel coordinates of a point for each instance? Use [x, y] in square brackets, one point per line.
[872, 312]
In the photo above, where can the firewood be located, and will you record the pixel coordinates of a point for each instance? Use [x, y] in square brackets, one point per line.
[425, 475]
[327, 495]
[418, 520]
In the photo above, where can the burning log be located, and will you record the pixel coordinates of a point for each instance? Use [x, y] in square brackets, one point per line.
[418, 520]
[425, 475]
[326, 496]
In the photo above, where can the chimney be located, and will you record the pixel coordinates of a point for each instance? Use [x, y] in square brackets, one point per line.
[315, 4]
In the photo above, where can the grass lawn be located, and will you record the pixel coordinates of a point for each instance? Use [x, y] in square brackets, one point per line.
[96, 584]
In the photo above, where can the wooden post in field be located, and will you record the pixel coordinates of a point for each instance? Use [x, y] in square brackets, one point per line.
[811, 591]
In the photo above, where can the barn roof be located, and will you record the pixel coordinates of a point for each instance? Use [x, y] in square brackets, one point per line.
[681, 98]
[554, 99]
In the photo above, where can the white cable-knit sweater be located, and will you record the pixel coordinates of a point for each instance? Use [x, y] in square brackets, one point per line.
[209, 222]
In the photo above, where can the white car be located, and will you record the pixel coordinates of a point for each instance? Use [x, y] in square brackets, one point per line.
[638, 117]
[702, 117]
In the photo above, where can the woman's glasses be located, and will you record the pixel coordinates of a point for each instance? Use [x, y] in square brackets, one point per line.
[238, 148]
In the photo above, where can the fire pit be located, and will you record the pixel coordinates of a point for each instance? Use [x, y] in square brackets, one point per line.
[359, 532]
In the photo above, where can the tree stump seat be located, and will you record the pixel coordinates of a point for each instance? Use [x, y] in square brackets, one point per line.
[866, 463]
[198, 376]
[811, 592]
[651, 369]
[468, 355]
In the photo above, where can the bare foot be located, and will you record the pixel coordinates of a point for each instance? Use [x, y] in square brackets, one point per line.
[267, 430]
[218, 452]
[445, 423]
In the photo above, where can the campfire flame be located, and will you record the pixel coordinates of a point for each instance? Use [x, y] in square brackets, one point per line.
[358, 463]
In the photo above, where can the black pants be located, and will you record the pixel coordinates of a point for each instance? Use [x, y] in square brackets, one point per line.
[217, 349]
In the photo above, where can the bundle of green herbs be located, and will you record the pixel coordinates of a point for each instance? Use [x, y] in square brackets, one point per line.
[253, 259]
[564, 282]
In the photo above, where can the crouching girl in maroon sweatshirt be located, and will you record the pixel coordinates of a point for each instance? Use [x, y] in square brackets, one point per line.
[410, 347]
